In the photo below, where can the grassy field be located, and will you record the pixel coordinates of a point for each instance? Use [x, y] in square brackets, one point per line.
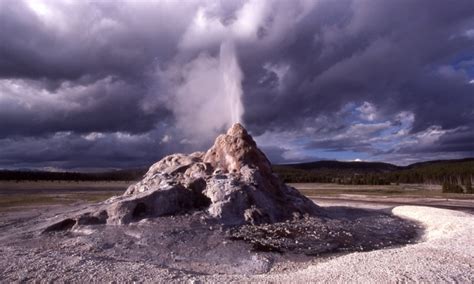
[401, 190]
[65, 185]
[17, 195]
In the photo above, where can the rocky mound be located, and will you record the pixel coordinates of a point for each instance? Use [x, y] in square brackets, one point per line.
[233, 182]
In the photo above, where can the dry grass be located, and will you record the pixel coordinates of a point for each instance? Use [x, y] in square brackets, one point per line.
[18, 201]
[402, 190]
[70, 185]
[17, 195]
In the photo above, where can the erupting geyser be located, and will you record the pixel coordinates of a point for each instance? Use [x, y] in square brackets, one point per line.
[233, 182]
[232, 80]
[206, 94]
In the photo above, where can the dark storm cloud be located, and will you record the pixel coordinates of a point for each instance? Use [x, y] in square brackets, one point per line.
[84, 39]
[457, 141]
[385, 53]
[399, 56]
[67, 150]
[370, 77]
[107, 105]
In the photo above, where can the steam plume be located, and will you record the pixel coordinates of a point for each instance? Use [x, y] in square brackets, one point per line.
[207, 94]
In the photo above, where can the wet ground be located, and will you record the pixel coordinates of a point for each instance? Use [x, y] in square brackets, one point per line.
[187, 246]
[344, 229]
[195, 244]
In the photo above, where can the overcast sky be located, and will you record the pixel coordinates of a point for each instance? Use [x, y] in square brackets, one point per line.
[120, 84]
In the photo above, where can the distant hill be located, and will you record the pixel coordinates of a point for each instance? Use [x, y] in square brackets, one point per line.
[338, 165]
[454, 175]
[32, 175]
[439, 162]
[333, 171]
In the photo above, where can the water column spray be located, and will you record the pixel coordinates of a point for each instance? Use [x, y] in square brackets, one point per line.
[232, 80]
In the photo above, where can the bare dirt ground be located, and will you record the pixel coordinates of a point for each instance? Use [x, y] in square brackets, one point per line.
[356, 242]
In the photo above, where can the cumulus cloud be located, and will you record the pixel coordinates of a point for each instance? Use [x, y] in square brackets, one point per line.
[367, 111]
[29, 108]
[319, 79]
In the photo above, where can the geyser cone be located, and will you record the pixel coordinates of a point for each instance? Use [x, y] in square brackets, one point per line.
[232, 181]
[235, 150]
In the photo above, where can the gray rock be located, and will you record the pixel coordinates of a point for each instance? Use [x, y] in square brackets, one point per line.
[233, 181]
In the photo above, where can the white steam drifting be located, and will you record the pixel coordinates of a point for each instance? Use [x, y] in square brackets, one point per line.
[205, 91]
[206, 94]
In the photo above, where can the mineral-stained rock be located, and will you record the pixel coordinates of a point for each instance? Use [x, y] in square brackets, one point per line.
[233, 181]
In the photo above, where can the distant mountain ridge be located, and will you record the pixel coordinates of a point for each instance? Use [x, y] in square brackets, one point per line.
[34, 175]
[434, 162]
[341, 165]
[365, 165]
[455, 175]
[437, 171]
